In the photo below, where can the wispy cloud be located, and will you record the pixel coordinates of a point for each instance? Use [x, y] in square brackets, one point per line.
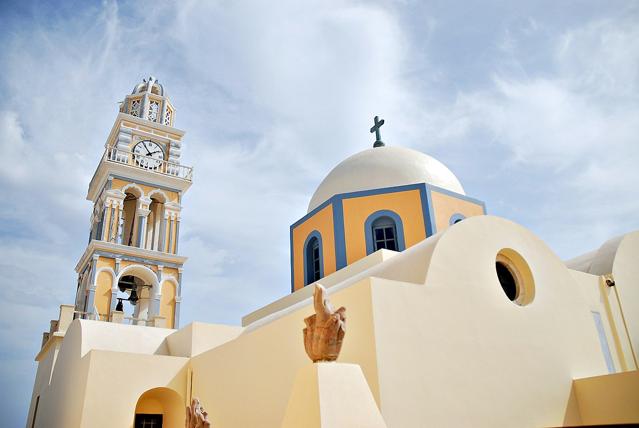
[535, 110]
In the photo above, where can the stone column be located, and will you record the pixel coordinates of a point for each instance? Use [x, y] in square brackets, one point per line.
[163, 111]
[114, 286]
[161, 246]
[177, 233]
[142, 213]
[114, 297]
[122, 145]
[102, 227]
[179, 287]
[120, 228]
[176, 321]
[91, 284]
[170, 247]
[144, 108]
[156, 295]
[113, 223]
[174, 151]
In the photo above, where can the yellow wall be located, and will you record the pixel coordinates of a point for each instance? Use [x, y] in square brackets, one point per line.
[173, 231]
[105, 262]
[167, 303]
[322, 221]
[444, 206]
[610, 399]
[247, 382]
[125, 263]
[103, 294]
[356, 210]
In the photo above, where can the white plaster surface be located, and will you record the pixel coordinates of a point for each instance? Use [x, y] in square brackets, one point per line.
[384, 167]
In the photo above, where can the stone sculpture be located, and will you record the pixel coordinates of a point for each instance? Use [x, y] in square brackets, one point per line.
[324, 332]
[196, 416]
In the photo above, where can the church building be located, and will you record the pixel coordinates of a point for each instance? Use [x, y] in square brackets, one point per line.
[454, 318]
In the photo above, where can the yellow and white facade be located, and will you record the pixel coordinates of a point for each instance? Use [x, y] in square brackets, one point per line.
[416, 194]
[471, 321]
[136, 191]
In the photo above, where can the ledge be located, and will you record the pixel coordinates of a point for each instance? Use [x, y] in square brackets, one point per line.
[125, 250]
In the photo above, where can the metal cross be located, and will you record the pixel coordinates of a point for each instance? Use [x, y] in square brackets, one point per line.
[375, 129]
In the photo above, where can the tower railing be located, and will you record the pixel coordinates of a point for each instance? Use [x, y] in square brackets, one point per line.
[161, 166]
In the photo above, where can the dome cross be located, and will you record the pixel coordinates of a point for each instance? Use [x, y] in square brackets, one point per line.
[375, 129]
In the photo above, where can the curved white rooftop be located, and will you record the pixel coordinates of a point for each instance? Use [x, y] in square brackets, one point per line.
[384, 167]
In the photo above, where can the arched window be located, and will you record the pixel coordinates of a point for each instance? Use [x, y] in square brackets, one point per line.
[128, 216]
[384, 234]
[154, 222]
[456, 218]
[384, 229]
[313, 266]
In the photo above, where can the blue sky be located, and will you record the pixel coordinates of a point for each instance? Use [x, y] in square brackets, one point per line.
[534, 106]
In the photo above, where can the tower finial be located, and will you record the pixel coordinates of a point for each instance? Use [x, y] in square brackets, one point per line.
[378, 141]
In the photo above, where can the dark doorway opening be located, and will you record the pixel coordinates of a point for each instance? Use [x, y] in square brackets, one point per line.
[145, 420]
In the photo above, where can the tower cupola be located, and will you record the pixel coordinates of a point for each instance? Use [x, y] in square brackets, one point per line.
[148, 101]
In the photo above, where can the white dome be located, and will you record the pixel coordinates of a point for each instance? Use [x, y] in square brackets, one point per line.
[384, 167]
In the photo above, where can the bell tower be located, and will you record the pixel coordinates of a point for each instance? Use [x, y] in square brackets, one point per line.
[131, 269]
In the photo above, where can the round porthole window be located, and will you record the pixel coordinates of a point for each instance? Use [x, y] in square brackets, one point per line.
[515, 277]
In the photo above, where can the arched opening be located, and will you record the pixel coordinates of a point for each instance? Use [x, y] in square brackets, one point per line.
[385, 234]
[456, 218]
[129, 211]
[313, 269]
[135, 291]
[384, 230]
[160, 408]
[154, 221]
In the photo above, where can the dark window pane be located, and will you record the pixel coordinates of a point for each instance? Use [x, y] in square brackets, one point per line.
[384, 234]
[390, 232]
[313, 262]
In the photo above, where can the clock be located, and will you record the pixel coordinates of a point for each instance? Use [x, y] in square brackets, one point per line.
[148, 154]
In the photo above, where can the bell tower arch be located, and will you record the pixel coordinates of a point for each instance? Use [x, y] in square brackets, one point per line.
[132, 258]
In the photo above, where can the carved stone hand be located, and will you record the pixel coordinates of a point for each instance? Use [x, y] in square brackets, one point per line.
[196, 416]
[324, 332]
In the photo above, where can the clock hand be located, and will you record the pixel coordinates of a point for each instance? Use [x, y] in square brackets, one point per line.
[147, 149]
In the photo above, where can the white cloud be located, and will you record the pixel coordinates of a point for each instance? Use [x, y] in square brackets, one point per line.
[272, 96]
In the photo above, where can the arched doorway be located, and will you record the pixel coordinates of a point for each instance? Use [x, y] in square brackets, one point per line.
[159, 408]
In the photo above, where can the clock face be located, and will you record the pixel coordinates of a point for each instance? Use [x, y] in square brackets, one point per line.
[148, 154]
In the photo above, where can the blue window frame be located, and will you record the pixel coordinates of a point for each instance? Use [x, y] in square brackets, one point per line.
[384, 229]
[313, 258]
[456, 218]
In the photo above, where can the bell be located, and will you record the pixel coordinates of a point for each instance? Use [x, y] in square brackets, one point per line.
[119, 306]
[133, 298]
